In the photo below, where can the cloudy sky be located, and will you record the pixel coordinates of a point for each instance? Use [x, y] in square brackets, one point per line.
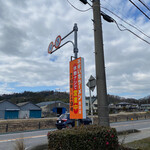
[28, 26]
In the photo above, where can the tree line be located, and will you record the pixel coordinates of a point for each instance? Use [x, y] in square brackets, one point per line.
[37, 97]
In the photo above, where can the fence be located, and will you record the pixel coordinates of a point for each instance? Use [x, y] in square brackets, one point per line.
[36, 124]
[129, 117]
[25, 125]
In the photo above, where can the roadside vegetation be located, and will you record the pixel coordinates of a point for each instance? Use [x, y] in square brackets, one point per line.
[143, 144]
[19, 145]
[37, 97]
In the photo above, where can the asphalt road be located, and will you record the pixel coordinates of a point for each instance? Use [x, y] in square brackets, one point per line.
[31, 139]
[34, 138]
[139, 124]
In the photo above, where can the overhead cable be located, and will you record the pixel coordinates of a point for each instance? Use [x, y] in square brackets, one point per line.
[136, 27]
[144, 5]
[110, 19]
[125, 21]
[126, 29]
[139, 9]
[77, 8]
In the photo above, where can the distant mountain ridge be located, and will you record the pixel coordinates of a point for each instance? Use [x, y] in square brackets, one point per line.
[43, 96]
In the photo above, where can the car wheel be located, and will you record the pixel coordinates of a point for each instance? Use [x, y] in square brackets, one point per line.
[90, 123]
[69, 125]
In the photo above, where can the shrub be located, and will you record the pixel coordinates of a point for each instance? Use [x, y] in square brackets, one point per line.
[92, 137]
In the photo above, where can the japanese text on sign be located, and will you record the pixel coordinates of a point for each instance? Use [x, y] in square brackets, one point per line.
[77, 93]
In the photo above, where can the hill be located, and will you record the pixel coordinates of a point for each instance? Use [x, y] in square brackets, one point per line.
[37, 97]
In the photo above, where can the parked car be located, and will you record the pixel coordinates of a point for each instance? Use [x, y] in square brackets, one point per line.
[64, 121]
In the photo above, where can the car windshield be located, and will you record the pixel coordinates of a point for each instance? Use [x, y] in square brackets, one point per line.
[63, 116]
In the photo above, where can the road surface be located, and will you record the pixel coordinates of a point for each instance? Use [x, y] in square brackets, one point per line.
[34, 138]
[139, 124]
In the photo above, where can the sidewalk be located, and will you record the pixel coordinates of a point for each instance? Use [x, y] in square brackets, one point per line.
[144, 133]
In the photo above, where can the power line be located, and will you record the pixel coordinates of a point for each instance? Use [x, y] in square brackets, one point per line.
[139, 9]
[144, 5]
[77, 8]
[136, 27]
[125, 21]
[126, 29]
[110, 19]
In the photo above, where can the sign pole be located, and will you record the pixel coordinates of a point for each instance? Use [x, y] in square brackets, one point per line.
[91, 85]
[75, 29]
[91, 105]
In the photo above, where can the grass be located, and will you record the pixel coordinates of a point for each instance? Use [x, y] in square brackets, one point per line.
[143, 144]
[19, 145]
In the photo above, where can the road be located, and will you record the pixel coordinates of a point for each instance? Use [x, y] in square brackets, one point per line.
[139, 124]
[31, 139]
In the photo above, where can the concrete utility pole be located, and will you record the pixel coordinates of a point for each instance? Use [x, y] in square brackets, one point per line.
[103, 112]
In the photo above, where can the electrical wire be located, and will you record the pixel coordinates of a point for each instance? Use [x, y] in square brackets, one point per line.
[144, 5]
[77, 8]
[110, 19]
[126, 29]
[135, 27]
[125, 21]
[139, 9]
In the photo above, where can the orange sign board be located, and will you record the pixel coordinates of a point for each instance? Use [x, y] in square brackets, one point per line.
[77, 89]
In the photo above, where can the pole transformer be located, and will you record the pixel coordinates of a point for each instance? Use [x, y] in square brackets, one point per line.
[103, 112]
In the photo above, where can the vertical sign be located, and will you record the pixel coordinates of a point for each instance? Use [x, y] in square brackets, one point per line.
[77, 89]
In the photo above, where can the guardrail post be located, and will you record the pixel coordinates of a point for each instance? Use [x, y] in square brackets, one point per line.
[39, 125]
[6, 127]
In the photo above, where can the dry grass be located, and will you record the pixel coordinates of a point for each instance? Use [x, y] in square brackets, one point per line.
[26, 124]
[19, 145]
[143, 144]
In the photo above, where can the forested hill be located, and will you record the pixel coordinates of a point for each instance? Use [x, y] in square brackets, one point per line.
[37, 97]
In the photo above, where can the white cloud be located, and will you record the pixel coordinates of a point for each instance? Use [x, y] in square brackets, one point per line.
[27, 28]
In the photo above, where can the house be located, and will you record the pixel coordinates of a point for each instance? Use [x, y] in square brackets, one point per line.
[123, 105]
[55, 108]
[113, 108]
[8, 110]
[29, 110]
[145, 107]
[127, 106]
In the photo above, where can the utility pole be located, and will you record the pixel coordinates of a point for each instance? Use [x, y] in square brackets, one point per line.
[103, 112]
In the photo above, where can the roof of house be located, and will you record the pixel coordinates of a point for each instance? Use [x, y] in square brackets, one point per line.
[123, 103]
[31, 105]
[50, 102]
[23, 103]
[145, 104]
[10, 103]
